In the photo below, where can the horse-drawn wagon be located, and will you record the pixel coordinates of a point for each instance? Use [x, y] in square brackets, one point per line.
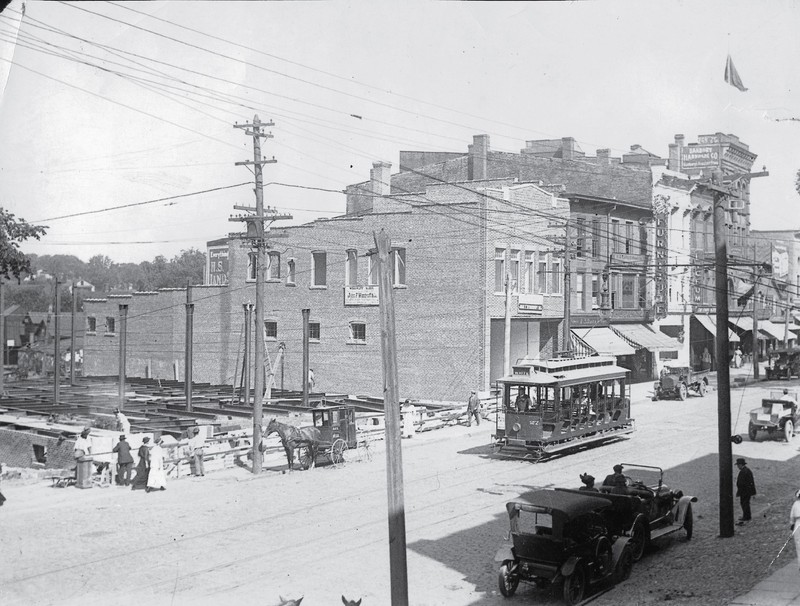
[332, 434]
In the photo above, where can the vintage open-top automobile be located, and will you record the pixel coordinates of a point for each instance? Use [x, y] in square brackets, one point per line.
[558, 537]
[644, 509]
[777, 414]
[676, 381]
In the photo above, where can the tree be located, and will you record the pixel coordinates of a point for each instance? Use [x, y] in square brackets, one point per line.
[14, 232]
[797, 181]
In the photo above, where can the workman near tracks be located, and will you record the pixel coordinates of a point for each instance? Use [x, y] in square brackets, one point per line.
[124, 461]
[473, 408]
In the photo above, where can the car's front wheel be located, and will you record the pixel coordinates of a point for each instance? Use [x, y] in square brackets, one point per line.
[788, 430]
[701, 389]
[682, 391]
[688, 523]
[506, 579]
[575, 586]
[752, 430]
[638, 540]
[624, 566]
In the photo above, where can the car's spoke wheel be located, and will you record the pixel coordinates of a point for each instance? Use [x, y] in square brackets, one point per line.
[788, 431]
[752, 430]
[688, 523]
[701, 389]
[506, 579]
[638, 540]
[575, 586]
[682, 391]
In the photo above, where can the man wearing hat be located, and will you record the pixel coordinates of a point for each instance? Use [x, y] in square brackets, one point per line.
[196, 445]
[123, 424]
[473, 408]
[124, 461]
[616, 478]
[745, 489]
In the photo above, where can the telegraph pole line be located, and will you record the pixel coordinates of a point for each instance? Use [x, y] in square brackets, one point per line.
[72, 336]
[567, 347]
[257, 239]
[507, 323]
[56, 348]
[721, 191]
[188, 356]
[756, 348]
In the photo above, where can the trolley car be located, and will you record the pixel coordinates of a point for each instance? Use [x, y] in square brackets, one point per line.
[554, 405]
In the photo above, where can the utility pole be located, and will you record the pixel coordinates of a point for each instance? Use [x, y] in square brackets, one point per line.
[2, 339]
[786, 324]
[123, 338]
[56, 348]
[306, 365]
[256, 236]
[398, 568]
[507, 332]
[721, 192]
[567, 347]
[248, 328]
[756, 348]
[72, 336]
[187, 372]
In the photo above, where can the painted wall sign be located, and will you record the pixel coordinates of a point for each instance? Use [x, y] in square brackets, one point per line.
[700, 156]
[361, 295]
[217, 266]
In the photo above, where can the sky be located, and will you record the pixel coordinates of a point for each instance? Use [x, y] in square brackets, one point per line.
[109, 104]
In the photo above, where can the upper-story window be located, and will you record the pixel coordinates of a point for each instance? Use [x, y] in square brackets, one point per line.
[372, 269]
[290, 272]
[91, 324]
[351, 269]
[513, 268]
[252, 265]
[499, 269]
[274, 266]
[358, 332]
[319, 269]
[313, 331]
[111, 325]
[528, 275]
[556, 277]
[271, 329]
[398, 259]
[595, 237]
[580, 237]
[541, 274]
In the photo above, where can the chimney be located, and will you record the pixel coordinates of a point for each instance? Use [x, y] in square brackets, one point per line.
[603, 156]
[380, 178]
[478, 158]
[567, 148]
[679, 140]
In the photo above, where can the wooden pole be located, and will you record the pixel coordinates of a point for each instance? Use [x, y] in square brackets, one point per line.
[567, 346]
[248, 328]
[123, 338]
[786, 323]
[261, 268]
[723, 368]
[306, 364]
[56, 347]
[507, 324]
[756, 348]
[187, 372]
[72, 336]
[391, 404]
[2, 339]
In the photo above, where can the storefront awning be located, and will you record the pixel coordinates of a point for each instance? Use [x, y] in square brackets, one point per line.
[644, 337]
[710, 324]
[604, 341]
[766, 329]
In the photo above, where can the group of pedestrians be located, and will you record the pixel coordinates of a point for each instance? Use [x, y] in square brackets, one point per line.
[150, 473]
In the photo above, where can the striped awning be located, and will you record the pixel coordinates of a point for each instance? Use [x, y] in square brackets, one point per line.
[604, 341]
[641, 336]
[766, 329]
[710, 324]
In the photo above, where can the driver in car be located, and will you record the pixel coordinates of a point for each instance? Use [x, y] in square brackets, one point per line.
[616, 480]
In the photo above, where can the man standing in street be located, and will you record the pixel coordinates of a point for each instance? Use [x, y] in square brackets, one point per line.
[123, 424]
[124, 461]
[196, 446]
[473, 408]
[745, 489]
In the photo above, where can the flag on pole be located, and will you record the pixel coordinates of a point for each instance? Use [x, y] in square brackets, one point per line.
[732, 76]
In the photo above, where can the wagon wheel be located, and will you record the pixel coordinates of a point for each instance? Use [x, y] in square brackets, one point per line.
[788, 430]
[682, 391]
[506, 579]
[304, 457]
[575, 586]
[752, 430]
[701, 389]
[337, 451]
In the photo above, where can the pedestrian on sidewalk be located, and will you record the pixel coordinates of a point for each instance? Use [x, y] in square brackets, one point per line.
[745, 489]
[794, 518]
[473, 408]
[124, 461]
[737, 358]
[157, 478]
[197, 445]
[143, 468]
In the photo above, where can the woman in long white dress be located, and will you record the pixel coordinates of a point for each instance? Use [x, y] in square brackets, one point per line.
[157, 479]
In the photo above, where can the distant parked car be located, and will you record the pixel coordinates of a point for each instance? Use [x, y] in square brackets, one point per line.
[676, 381]
[558, 537]
[777, 415]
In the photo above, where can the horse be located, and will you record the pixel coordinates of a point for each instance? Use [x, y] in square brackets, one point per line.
[295, 437]
[347, 602]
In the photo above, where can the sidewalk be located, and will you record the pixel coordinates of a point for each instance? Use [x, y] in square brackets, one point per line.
[781, 588]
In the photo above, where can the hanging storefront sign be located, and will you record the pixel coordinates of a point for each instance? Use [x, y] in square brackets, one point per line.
[661, 277]
[531, 305]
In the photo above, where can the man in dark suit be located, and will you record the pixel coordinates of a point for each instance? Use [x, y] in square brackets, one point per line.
[745, 489]
[124, 461]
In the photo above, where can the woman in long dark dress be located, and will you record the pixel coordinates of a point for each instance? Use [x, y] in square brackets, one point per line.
[143, 468]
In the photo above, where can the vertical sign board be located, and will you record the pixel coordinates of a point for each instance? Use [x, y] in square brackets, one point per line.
[661, 278]
[217, 266]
